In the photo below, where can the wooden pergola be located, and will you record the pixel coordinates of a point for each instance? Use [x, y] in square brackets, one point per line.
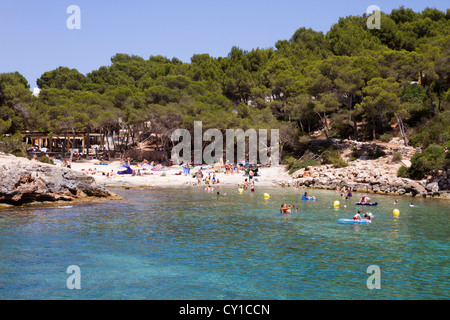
[63, 141]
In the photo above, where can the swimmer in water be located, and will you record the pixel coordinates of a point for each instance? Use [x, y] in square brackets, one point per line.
[285, 209]
[252, 186]
[357, 216]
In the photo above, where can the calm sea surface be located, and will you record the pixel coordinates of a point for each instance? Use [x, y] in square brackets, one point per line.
[187, 244]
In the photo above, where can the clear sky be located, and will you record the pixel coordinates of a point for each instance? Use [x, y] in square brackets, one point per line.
[34, 36]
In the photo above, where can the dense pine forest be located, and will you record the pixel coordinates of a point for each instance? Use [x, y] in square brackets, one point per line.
[350, 83]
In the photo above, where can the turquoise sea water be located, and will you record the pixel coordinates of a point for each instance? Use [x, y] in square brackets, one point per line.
[187, 244]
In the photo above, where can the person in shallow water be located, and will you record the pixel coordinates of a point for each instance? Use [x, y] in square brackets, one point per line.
[305, 196]
[368, 216]
[285, 209]
[252, 186]
[357, 216]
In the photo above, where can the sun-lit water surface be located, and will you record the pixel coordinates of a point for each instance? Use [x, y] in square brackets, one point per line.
[187, 244]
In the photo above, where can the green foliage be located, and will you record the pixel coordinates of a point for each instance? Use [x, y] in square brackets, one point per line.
[402, 172]
[289, 161]
[19, 153]
[297, 165]
[12, 143]
[434, 131]
[333, 157]
[397, 157]
[351, 82]
[378, 154]
[46, 159]
[432, 158]
[386, 137]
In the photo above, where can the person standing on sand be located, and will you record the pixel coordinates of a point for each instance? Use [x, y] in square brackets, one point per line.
[199, 176]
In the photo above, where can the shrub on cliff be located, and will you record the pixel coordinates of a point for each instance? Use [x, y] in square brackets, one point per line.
[19, 153]
[377, 154]
[402, 172]
[432, 158]
[386, 137]
[289, 161]
[333, 157]
[297, 165]
[434, 131]
[11, 143]
[397, 157]
[46, 159]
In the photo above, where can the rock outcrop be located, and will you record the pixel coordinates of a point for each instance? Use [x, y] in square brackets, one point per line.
[378, 176]
[24, 181]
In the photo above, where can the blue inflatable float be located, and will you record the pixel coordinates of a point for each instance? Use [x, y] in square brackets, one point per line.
[351, 221]
[367, 204]
[308, 199]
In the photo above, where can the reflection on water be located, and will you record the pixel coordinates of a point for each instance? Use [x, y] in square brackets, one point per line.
[187, 244]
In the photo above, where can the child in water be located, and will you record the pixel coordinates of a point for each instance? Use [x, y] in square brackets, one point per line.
[357, 216]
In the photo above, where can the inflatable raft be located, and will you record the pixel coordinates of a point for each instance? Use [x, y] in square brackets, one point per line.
[351, 221]
[367, 204]
[307, 199]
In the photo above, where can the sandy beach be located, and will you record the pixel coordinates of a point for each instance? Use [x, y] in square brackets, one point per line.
[170, 176]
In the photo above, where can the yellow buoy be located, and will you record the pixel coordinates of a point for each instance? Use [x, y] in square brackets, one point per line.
[336, 204]
[396, 212]
[240, 190]
[266, 195]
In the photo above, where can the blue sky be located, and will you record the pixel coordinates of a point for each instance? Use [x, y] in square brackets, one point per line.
[35, 38]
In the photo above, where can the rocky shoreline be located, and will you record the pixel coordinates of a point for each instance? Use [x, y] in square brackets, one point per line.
[373, 176]
[29, 182]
